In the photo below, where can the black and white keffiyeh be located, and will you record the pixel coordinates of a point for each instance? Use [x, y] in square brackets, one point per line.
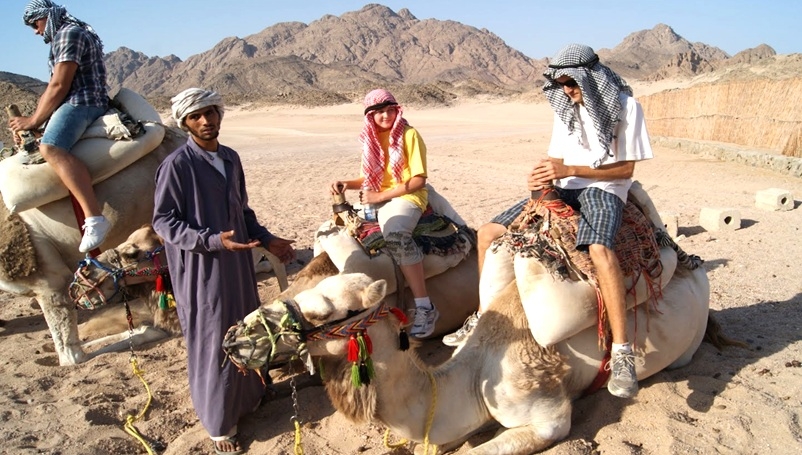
[57, 16]
[600, 87]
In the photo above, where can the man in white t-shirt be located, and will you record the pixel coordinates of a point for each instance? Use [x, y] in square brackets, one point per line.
[599, 133]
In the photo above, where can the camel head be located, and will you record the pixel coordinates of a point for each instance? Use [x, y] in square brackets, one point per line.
[139, 259]
[317, 321]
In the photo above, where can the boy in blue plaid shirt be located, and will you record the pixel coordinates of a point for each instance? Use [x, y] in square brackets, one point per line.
[74, 98]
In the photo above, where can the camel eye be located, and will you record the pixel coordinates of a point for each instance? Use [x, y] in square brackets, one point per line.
[132, 254]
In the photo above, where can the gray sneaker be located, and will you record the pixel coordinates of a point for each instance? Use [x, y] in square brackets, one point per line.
[623, 381]
[456, 338]
[423, 326]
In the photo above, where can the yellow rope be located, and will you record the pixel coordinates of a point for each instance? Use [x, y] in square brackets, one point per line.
[395, 445]
[427, 428]
[129, 419]
[299, 450]
[430, 417]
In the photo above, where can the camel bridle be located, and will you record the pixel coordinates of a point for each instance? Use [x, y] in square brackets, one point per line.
[86, 292]
[266, 341]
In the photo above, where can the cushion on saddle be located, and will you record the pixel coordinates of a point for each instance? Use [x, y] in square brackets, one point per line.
[26, 184]
[557, 282]
[350, 256]
[434, 234]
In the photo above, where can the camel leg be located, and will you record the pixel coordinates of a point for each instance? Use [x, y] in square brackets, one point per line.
[513, 441]
[125, 340]
[277, 266]
[62, 320]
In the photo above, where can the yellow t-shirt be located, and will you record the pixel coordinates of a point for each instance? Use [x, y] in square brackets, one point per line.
[415, 151]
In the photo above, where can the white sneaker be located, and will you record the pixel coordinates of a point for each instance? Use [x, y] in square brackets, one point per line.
[95, 230]
[424, 322]
[456, 338]
[623, 381]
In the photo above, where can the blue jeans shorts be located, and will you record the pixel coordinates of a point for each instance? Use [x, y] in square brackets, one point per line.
[68, 123]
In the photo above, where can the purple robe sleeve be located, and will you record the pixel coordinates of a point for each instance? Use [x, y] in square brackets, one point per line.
[255, 230]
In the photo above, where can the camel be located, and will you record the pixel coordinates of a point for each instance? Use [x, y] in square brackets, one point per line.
[500, 375]
[127, 200]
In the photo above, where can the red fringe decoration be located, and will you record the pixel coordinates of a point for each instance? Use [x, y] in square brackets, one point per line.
[368, 344]
[353, 349]
[399, 315]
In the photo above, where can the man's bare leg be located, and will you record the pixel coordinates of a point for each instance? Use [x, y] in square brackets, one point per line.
[485, 236]
[75, 176]
[623, 382]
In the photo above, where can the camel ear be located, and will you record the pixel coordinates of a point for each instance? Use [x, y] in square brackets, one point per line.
[373, 293]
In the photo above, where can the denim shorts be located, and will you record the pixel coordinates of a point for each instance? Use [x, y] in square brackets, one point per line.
[68, 123]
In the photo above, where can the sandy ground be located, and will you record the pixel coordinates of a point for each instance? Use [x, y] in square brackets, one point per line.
[739, 401]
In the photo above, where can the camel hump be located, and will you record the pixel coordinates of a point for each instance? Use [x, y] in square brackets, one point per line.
[110, 144]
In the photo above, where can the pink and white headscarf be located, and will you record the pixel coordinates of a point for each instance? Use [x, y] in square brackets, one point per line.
[372, 154]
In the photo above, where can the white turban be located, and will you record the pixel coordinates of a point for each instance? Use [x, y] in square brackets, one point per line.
[194, 99]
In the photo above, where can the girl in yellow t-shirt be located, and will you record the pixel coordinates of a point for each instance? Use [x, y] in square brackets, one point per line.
[392, 186]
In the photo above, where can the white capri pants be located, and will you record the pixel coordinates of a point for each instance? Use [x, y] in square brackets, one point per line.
[397, 219]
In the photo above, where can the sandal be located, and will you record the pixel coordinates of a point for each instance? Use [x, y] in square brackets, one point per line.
[233, 441]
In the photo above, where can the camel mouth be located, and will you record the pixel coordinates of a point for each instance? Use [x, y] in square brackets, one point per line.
[98, 281]
[270, 335]
[278, 333]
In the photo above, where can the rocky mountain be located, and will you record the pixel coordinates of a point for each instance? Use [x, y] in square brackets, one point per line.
[660, 53]
[336, 58]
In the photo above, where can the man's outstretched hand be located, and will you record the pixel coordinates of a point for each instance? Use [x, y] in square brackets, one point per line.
[231, 245]
[282, 248]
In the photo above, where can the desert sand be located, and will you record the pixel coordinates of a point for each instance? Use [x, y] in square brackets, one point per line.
[737, 401]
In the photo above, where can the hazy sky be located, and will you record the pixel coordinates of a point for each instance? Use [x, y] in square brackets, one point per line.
[536, 28]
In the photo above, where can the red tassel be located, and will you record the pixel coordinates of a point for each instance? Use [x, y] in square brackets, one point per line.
[159, 283]
[353, 349]
[368, 344]
[399, 315]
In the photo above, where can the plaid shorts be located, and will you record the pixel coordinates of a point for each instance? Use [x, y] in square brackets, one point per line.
[601, 215]
[506, 217]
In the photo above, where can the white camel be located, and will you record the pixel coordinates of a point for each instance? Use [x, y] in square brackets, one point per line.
[127, 201]
[129, 271]
[501, 374]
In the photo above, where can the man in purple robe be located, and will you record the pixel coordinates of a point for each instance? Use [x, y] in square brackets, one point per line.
[201, 211]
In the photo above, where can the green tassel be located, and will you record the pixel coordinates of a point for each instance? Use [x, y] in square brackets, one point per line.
[163, 301]
[366, 367]
[355, 375]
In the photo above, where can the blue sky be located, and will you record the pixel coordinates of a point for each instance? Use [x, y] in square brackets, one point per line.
[536, 28]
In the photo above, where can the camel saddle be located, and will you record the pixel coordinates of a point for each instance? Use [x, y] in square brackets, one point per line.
[557, 282]
[129, 130]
